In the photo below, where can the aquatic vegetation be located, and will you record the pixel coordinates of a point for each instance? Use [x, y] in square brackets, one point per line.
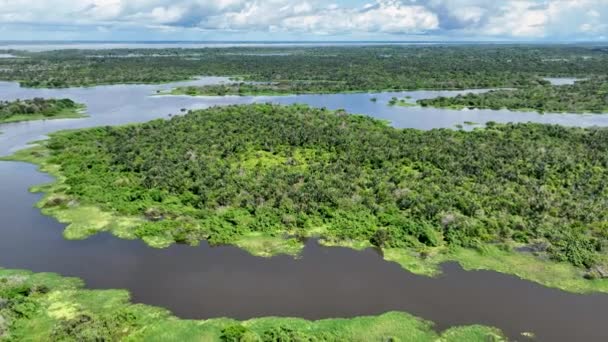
[400, 102]
[260, 176]
[46, 306]
[587, 96]
[39, 108]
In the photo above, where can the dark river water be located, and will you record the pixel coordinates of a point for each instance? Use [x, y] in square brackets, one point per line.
[205, 282]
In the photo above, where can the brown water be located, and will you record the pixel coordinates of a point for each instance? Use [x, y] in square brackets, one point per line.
[204, 282]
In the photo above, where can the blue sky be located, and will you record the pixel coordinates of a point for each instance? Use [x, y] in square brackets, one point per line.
[563, 20]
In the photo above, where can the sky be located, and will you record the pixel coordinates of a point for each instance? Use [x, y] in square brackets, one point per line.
[306, 20]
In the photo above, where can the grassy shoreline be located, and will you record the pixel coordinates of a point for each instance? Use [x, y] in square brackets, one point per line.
[47, 306]
[402, 102]
[511, 109]
[85, 219]
[202, 91]
[67, 113]
[582, 97]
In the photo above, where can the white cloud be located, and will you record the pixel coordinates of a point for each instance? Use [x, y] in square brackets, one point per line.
[448, 18]
[386, 16]
[518, 19]
[533, 19]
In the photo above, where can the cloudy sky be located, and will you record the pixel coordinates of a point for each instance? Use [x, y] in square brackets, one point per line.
[304, 20]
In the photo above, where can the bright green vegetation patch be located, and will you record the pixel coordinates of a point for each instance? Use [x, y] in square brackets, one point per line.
[83, 219]
[401, 102]
[47, 307]
[263, 245]
[587, 96]
[38, 109]
[500, 258]
[253, 175]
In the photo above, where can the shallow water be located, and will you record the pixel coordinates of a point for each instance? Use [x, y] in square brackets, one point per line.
[562, 80]
[203, 282]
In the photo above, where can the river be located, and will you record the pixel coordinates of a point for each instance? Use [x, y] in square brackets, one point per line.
[204, 282]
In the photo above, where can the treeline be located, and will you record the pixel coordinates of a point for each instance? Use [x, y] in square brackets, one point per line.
[36, 108]
[589, 96]
[351, 68]
[221, 173]
[257, 89]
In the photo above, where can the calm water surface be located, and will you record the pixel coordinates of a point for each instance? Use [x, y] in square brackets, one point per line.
[203, 282]
[562, 80]
[120, 104]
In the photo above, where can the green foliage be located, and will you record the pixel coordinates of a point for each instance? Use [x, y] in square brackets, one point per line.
[285, 334]
[311, 69]
[194, 178]
[234, 333]
[589, 96]
[400, 102]
[37, 108]
[270, 88]
[47, 307]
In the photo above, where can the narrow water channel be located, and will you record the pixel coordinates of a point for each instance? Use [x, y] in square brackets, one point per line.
[205, 282]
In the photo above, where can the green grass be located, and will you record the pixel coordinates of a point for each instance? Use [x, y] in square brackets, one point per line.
[46, 306]
[68, 113]
[554, 274]
[259, 244]
[404, 103]
[84, 220]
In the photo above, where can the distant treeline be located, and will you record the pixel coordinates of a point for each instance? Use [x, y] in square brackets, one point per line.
[584, 96]
[327, 69]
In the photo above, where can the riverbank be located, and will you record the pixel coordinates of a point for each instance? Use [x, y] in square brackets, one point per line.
[42, 109]
[288, 89]
[582, 97]
[46, 306]
[161, 219]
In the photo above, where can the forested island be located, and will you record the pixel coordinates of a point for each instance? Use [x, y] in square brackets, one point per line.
[514, 198]
[587, 96]
[39, 108]
[318, 69]
[394, 101]
[47, 307]
[263, 89]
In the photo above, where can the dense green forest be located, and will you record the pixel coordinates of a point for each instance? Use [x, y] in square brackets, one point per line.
[394, 101]
[360, 68]
[257, 89]
[38, 108]
[222, 173]
[47, 307]
[590, 96]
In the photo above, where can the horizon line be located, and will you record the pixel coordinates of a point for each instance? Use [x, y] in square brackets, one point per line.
[140, 41]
